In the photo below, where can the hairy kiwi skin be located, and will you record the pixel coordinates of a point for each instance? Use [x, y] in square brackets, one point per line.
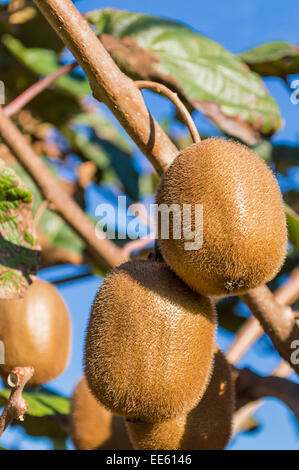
[206, 427]
[93, 427]
[166, 435]
[244, 225]
[36, 331]
[209, 424]
[149, 343]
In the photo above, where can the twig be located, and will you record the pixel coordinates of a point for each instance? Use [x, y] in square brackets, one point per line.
[36, 88]
[103, 250]
[42, 207]
[278, 321]
[251, 387]
[173, 97]
[251, 331]
[108, 83]
[243, 414]
[16, 406]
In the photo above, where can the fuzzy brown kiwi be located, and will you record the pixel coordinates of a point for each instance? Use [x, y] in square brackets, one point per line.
[36, 331]
[149, 343]
[93, 427]
[166, 435]
[244, 225]
[206, 427]
[209, 424]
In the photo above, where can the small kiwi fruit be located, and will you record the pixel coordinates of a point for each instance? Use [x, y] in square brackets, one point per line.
[244, 225]
[206, 427]
[209, 424]
[149, 343]
[93, 427]
[166, 435]
[36, 331]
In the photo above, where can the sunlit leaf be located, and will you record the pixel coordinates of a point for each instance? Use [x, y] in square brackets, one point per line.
[205, 75]
[293, 226]
[273, 59]
[19, 253]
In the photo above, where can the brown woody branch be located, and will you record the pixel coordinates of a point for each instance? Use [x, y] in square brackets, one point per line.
[251, 387]
[105, 252]
[108, 83]
[251, 331]
[16, 406]
[278, 321]
[243, 415]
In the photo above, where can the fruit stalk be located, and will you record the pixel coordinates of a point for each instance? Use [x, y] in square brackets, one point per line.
[16, 406]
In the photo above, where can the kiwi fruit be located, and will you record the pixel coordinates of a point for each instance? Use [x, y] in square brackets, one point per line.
[36, 331]
[209, 424]
[166, 435]
[93, 427]
[206, 427]
[244, 225]
[149, 343]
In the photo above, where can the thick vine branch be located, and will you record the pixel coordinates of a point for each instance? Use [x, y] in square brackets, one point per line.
[251, 387]
[31, 92]
[103, 250]
[251, 331]
[108, 83]
[243, 414]
[16, 406]
[278, 321]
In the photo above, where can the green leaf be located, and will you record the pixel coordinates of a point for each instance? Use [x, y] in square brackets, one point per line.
[52, 225]
[293, 226]
[277, 59]
[45, 62]
[47, 413]
[43, 403]
[205, 75]
[19, 254]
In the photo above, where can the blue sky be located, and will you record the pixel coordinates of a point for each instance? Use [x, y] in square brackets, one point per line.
[237, 26]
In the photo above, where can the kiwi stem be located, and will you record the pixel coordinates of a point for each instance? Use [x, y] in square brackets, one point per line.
[16, 406]
[173, 97]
